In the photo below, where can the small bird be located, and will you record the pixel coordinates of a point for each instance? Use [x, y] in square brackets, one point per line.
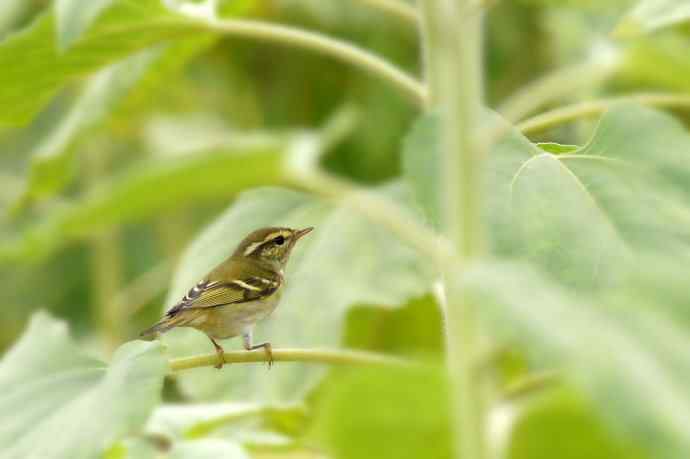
[242, 290]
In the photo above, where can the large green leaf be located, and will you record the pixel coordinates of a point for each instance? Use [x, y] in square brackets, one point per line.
[150, 187]
[387, 414]
[563, 424]
[243, 422]
[595, 227]
[57, 402]
[51, 165]
[650, 15]
[345, 261]
[625, 362]
[123, 28]
[117, 88]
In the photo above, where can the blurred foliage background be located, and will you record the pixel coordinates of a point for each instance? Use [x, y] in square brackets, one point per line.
[144, 140]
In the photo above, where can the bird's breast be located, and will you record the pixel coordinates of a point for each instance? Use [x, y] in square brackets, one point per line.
[227, 321]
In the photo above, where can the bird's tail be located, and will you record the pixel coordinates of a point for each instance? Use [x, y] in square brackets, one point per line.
[164, 325]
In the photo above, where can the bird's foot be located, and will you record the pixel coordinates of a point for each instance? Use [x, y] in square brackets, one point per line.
[221, 360]
[268, 349]
[221, 355]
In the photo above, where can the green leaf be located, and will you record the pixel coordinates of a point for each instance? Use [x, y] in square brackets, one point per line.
[75, 16]
[661, 63]
[565, 425]
[557, 148]
[415, 329]
[125, 27]
[386, 414]
[324, 279]
[119, 88]
[150, 187]
[619, 366]
[651, 15]
[52, 164]
[50, 392]
[136, 448]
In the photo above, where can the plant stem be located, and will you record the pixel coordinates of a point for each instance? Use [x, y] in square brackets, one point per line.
[452, 40]
[555, 85]
[553, 118]
[106, 264]
[325, 356]
[341, 50]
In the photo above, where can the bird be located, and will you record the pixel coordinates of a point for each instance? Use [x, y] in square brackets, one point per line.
[237, 293]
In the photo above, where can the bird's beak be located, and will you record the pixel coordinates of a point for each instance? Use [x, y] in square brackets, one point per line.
[303, 232]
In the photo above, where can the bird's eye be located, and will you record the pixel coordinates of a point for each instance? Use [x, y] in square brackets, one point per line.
[280, 240]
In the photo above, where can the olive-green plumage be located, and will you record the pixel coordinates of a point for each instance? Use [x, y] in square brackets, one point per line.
[242, 290]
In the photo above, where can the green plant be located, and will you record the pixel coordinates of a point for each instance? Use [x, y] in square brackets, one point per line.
[495, 282]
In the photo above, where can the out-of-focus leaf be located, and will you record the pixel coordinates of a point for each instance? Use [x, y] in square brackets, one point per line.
[200, 449]
[50, 392]
[132, 448]
[244, 423]
[197, 420]
[331, 270]
[661, 63]
[207, 449]
[10, 13]
[595, 350]
[76, 16]
[651, 15]
[150, 187]
[415, 329]
[51, 165]
[387, 414]
[120, 88]
[124, 27]
[564, 425]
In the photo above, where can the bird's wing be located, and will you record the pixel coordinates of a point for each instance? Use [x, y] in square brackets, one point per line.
[209, 294]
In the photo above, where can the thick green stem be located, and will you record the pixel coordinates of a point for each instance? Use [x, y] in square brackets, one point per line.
[452, 34]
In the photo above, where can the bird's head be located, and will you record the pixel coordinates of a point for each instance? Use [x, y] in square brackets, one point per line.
[270, 245]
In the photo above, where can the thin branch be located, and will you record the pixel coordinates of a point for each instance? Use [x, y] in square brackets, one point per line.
[322, 356]
[553, 118]
[338, 49]
[395, 8]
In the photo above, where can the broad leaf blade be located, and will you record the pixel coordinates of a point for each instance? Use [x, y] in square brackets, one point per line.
[593, 348]
[125, 27]
[50, 390]
[146, 189]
